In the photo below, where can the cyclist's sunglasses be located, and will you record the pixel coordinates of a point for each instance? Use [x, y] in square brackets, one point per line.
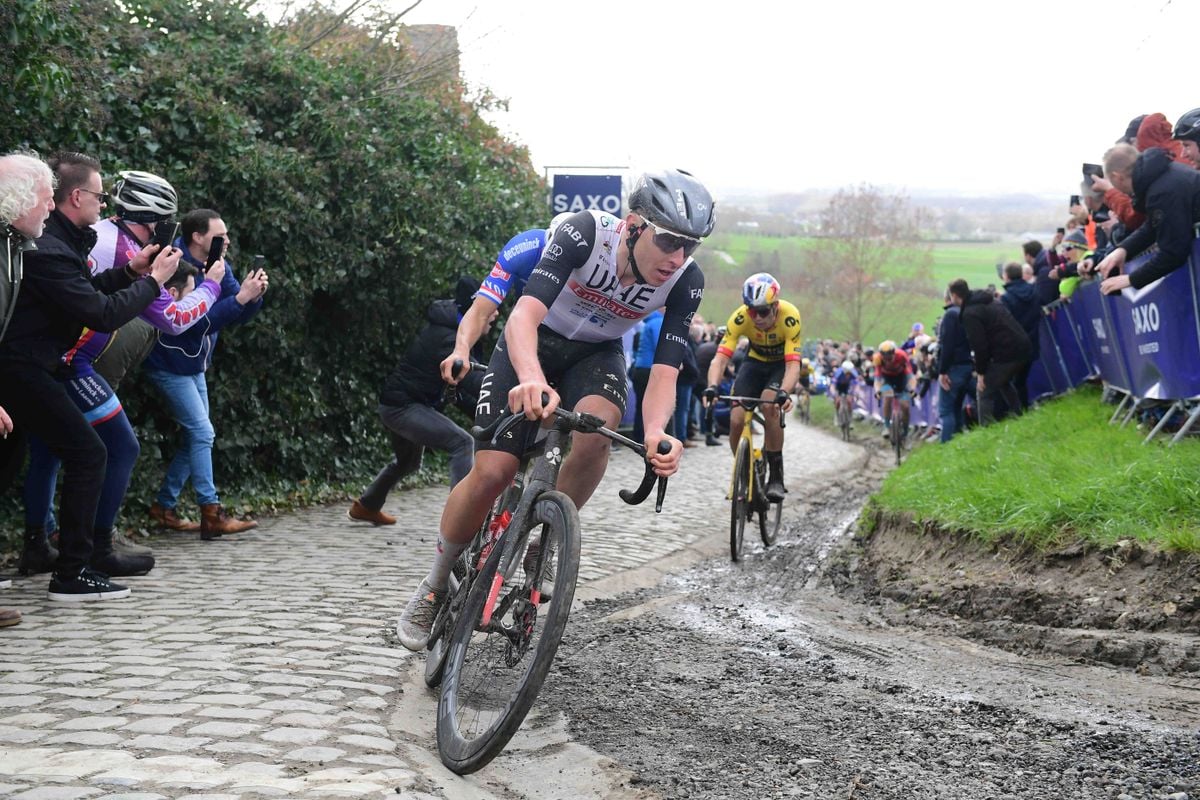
[669, 241]
[762, 313]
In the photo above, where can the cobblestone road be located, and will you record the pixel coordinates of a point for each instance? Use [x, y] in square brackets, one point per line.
[264, 665]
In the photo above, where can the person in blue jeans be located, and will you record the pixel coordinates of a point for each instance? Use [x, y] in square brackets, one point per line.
[954, 368]
[177, 365]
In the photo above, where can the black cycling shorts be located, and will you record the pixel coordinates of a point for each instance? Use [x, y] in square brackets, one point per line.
[575, 370]
[899, 383]
[754, 376]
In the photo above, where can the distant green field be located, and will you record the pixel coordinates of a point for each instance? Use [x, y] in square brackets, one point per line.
[974, 261]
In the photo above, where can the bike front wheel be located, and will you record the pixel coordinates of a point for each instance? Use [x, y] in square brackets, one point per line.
[494, 671]
[739, 501]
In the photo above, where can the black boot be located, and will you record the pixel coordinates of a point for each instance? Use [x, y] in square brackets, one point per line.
[36, 555]
[775, 487]
[116, 563]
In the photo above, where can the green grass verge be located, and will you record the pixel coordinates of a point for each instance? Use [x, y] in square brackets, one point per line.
[1057, 474]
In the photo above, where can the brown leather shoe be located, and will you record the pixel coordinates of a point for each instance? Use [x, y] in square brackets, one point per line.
[214, 522]
[9, 616]
[361, 513]
[166, 517]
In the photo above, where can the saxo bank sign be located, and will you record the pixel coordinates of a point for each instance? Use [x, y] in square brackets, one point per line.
[585, 192]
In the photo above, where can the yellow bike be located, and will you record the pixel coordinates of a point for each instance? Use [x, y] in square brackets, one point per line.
[747, 488]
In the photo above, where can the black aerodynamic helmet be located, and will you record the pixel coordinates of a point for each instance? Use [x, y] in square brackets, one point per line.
[144, 197]
[1188, 126]
[674, 199]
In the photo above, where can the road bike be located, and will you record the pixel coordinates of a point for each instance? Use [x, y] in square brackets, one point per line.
[747, 487]
[845, 414]
[898, 432]
[494, 638]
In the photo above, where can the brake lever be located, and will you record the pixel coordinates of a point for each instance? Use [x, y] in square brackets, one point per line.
[649, 479]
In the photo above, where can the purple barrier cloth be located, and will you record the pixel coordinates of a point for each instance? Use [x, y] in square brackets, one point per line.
[1038, 383]
[1158, 331]
[1052, 367]
[1070, 350]
[1090, 314]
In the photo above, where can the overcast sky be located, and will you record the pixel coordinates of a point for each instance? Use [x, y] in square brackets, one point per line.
[973, 97]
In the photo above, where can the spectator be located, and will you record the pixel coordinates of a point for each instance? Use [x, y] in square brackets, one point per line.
[704, 356]
[642, 362]
[412, 399]
[953, 368]
[143, 201]
[1000, 346]
[1187, 135]
[1169, 195]
[26, 200]
[909, 344]
[689, 373]
[59, 298]
[1020, 298]
[1039, 259]
[177, 366]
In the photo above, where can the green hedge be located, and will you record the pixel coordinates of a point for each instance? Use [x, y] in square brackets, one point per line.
[369, 191]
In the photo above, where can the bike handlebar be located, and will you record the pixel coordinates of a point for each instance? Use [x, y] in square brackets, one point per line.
[587, 423]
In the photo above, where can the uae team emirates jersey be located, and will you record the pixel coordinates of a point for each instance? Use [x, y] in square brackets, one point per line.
[577, 280]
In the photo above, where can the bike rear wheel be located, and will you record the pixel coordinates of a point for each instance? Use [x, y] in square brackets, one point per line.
[493, 673]
[739, 502]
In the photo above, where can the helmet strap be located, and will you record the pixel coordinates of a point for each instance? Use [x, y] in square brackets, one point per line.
[631, 239]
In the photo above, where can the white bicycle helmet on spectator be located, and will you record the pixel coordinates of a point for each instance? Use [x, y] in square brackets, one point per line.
[143, 197]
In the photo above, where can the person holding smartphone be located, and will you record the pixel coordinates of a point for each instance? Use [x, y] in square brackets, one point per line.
[177, 368]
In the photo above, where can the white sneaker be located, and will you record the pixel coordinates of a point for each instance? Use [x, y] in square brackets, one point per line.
[417, 619]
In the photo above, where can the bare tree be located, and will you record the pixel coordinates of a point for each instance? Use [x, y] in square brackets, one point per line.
[868, 261]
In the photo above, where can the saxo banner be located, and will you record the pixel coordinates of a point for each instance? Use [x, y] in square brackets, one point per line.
[1158, 330]
[586, 192]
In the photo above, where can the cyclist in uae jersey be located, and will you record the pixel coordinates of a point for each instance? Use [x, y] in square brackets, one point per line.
[770, 371]
[597, 277]
[514, 264]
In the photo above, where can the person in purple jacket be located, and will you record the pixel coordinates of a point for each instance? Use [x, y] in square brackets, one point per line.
[177, 365]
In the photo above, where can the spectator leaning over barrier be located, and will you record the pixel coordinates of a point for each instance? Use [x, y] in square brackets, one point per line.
[413, 396]
[954, 369]
[1075, 247]
[1169, 194]
[59, 297]
[177, 366]
[1000, 345]
[26, 200]
[1021, 300]
[1187, 135]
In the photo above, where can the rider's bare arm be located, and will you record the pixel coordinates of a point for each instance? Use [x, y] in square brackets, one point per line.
[472, 326]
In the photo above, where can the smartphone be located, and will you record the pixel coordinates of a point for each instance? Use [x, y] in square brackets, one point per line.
[257, 264]
[215, 249]
[1074, 201]
[1091, 172]
[1061, 231]
[164, 234]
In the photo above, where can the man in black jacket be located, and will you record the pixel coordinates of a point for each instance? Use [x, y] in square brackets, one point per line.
[1000, 345]
[411, 402]
[1168, 193]
[1021, 300]
[58, 298]
[954, 370]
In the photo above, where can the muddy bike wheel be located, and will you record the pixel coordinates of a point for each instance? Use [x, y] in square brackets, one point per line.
[739, 502]
[770, 515]
[898, 436]
[443, 624]
[493, 673]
